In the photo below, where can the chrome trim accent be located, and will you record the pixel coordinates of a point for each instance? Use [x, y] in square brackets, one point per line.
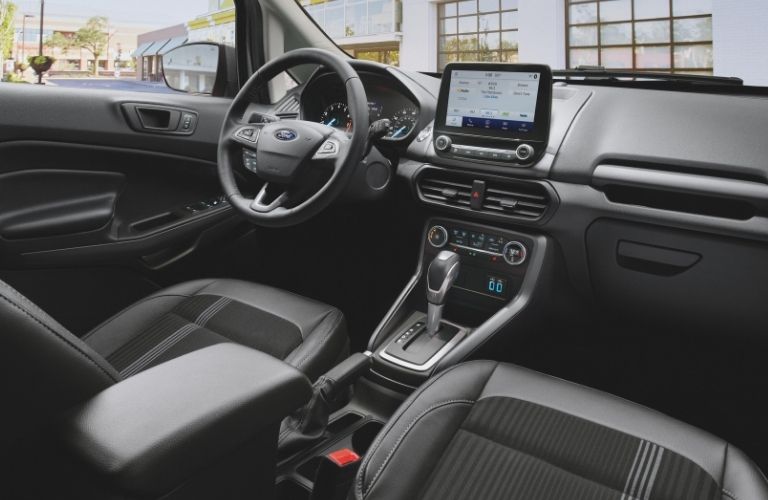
[487, 252]
[438, 228]
[521, 247]
[328, 149]
[444, 139]
[528, 152]
[431, 362]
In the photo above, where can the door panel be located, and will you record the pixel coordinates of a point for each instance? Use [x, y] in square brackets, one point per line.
[45, 203]
[88, 201]
[79, 185]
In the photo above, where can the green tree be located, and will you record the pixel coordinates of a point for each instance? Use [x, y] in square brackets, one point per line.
[7, 12]
[91, 37]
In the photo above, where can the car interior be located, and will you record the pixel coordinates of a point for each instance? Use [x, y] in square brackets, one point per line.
[332, 278]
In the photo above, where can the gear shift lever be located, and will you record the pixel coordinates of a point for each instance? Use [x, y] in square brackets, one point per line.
[441, 275]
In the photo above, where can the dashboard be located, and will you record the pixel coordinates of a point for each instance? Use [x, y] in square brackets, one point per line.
[324, 101]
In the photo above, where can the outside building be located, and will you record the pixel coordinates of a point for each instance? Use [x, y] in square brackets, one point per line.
[121, 43]
[217, 25]
[685, 36]
[150, 49]
[367, 29]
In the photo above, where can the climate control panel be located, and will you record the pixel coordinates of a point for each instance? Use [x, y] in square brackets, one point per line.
[478, 244]
[493, 261]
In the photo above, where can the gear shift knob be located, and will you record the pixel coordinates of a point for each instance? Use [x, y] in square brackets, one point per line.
[441, 275]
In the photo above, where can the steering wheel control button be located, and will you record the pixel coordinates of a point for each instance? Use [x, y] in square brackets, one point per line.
[524, 152]
[328, 149]
[443, 143]
[250, 134]
[437, 236]
[514, 253]
[249, 160]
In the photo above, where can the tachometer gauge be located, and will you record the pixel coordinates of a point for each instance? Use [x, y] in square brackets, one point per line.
[337, 116]
[403, 122]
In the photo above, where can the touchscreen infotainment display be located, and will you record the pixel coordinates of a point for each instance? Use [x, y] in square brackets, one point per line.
[496, 106]
[493, 100]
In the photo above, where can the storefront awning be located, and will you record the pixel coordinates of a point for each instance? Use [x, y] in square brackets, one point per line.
[172, 44]
[155, 48]
[140, 49]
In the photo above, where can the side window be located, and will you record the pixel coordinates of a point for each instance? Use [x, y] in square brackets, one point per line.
[112, 44]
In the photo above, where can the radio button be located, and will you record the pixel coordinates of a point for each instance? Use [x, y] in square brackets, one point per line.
[524, 152]
[443, 143]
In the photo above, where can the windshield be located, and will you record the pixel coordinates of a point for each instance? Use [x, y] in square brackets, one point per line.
[693, 37]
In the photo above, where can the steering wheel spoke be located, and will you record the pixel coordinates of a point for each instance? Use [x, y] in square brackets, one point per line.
[247, 135]
[281, 152]
[260, 203]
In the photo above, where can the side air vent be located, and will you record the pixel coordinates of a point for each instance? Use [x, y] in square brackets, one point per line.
[288, 109]
[521, 200]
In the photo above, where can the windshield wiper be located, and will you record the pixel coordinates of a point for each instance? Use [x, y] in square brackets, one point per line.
[600, 73]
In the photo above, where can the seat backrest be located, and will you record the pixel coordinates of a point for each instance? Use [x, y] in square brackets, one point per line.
[44, 368]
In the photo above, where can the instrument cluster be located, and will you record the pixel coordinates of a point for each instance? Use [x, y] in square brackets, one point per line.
[324, 100]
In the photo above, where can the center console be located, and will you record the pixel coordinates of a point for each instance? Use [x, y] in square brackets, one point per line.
[496, 273]
[477, 285]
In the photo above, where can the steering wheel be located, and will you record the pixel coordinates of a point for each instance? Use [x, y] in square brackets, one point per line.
[287, 151]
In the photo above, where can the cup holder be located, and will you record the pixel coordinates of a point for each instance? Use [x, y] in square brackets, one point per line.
[359, 440]
[363, 437]
[291, 490]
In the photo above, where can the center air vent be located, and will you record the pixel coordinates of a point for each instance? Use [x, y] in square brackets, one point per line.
[446, 191]
[515, 199]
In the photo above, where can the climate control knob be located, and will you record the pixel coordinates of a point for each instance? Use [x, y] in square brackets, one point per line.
[443, 143]
[524, 152]
[437, 236]
[514, 253]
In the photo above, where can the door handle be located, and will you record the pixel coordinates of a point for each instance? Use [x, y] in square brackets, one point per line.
[654, 260]
[160, 119]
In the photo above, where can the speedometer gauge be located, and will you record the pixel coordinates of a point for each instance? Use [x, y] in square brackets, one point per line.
[403, 122]
[337, 116]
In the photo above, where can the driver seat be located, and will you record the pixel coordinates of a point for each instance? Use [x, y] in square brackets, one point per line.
[46, 369]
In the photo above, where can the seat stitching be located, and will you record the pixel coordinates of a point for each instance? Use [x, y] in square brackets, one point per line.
[540, 459]
[288, 428]
[339, 318]
[142, 301]
[380, 438]
[407, 429]
[730, 494]
[59, 336]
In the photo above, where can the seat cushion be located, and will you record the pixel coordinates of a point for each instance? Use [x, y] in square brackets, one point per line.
[305, 333]
[496, 431]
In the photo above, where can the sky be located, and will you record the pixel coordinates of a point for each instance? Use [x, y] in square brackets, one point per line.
[159, 13]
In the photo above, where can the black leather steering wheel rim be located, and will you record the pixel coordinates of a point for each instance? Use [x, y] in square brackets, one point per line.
[350, 151]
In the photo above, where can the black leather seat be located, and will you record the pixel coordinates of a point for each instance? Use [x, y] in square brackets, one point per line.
[46, 369]
[485, 430]
[305, 333]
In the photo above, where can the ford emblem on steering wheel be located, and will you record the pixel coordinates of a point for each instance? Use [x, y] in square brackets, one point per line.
[286, 134]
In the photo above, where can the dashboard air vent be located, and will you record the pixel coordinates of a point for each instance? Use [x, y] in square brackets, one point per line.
[521, 200]
[526, 200]
[446, 190]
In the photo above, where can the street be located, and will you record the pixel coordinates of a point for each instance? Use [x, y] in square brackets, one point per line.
[128, 84]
